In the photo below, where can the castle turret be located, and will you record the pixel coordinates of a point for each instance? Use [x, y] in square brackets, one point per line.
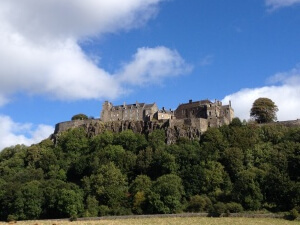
[105, 113]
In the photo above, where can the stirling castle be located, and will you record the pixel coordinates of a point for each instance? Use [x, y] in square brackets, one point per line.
[199, 114]
[189, 120]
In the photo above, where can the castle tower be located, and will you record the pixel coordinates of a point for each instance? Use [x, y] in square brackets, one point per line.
[105, 113]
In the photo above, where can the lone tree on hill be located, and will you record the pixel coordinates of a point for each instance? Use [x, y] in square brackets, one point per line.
[264, 110]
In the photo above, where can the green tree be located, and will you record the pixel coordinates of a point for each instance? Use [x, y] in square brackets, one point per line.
[79, 116]
[139, 190]
[247, 191]
[199, 203]
[166, 194]
[264, 110]
[92, 207]
[187, 156]
[101, 140]
[162, 163]
[214, 181]
[157, 139]
[130, 141]
[70, 202]
[236, 122]
[213, 144]
[233, 159]
[124, 160]
[109, 186]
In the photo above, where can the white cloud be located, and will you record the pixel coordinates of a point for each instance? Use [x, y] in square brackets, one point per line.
[286, 95]
[151, 65]
[13, 133]
[52, 19]
[40, 54]
[275, 4]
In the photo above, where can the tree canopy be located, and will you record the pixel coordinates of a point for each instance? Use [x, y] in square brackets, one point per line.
[79, 116]
[231, 169]
[264, 110]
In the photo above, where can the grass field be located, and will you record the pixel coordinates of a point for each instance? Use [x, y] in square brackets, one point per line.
[166, 221]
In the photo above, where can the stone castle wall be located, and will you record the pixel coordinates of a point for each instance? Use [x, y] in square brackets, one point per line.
[289, 123]
[174, 128]
[64, 126]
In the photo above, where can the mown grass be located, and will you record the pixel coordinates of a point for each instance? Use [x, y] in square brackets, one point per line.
[165, 221]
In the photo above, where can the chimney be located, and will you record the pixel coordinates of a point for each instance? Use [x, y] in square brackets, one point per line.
[190, 101]
[230, 103]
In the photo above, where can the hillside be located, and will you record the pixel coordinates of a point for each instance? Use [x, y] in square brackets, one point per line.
[115, 172]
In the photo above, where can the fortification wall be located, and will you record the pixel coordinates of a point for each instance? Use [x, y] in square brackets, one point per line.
[290, 123]
[64, 126]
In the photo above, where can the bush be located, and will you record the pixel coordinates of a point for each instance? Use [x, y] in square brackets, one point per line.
[234, 207]
[218, 209]
[104, 210]
[79, 117]
[292, 215]
[197, 203]
[12, 218]
[73, 218]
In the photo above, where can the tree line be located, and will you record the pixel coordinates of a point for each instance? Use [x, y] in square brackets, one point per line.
[232, 168]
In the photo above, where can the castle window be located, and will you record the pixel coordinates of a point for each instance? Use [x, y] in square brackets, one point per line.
[209, 113]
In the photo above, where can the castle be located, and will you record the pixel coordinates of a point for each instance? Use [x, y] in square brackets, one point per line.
[189, 120]
[199, 114]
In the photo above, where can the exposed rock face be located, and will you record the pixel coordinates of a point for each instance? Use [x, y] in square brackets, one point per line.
[94, 127]
[174, 129]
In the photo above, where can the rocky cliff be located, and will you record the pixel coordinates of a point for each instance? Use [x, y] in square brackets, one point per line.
[173, 131]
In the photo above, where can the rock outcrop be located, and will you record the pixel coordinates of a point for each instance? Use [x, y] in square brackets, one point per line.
[95, 126]
[174, 129]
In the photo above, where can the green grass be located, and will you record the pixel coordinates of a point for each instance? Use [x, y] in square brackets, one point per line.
[166, 221]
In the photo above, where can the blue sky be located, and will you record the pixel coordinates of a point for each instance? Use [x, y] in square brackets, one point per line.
[60, 58]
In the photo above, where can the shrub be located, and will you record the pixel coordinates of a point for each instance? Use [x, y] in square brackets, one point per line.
[104, 210]
[293, 214]
[197, 203]
[234, 207]
[218, 209]
[73, 218]
[12, 218]
[79, 117]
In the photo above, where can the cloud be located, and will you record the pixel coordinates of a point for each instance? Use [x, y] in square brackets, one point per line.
[52, 19]
[285, 94]
[275, 4]
[40, 54]
[13, 133]
[151, 65]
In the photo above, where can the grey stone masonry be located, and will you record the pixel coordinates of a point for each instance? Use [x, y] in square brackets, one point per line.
[203, 114]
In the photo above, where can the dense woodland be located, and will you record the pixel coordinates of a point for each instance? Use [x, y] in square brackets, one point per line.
[240, 167]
